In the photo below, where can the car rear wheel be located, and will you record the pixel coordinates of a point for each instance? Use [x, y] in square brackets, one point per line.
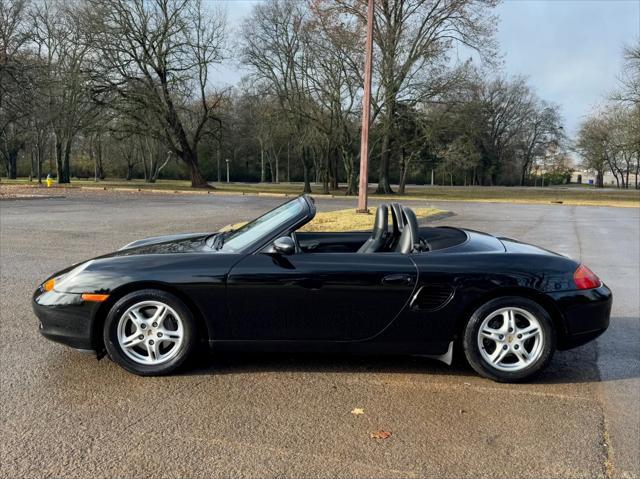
[509, 339]
[149, 332]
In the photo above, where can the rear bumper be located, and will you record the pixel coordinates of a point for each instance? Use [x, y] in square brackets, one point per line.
[65, 318]
[586, 314]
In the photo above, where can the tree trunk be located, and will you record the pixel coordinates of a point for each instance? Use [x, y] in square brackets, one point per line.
[383, 169]
[326, 173]
[523, 175]
[59, 160]
[305, 170]
[62, 161]
[616, 177]
[288, 161]
[144, 165]
[219, 157]
[627, 180]
[263, 176]
[39, 164]
[12, 164]
[272, 173]
[93, 160]
[66, 163]
[100, 169]
[350, 170]
[403, 172]
[384, 187]
[333, 162]
[197, 181]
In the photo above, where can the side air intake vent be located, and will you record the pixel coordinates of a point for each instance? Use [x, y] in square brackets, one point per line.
[431, 297]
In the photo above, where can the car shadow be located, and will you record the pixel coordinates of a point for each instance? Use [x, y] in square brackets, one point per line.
[579, 365]
[238, 363]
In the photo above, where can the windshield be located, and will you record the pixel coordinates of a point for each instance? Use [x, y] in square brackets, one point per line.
[262, 226]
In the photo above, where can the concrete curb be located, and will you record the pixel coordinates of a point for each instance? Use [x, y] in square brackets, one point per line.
[387, 198]
[32, 197]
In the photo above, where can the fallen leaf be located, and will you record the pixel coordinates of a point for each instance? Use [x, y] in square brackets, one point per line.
[380, 435]
[357, 411]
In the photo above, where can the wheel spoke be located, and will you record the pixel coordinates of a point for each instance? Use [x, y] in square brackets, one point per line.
[522, 355]
[530, 331]
[498, 355]
[169, 339]
[160, 315]
[133, 340]
[136, 317]
[153, 350]
[490, 333]
[509, 321]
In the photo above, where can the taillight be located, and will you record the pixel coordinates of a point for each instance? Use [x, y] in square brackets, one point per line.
[585, 278]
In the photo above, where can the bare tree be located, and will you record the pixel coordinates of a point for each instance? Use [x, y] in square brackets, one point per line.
[62, 48]
[629, 81]
[335, 84]
[153, 60]
[541, 127]
[274, 48]
[412, 36]
[17, 83]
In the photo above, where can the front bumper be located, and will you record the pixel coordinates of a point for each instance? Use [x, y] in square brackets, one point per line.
[586, 314]
[65, 318]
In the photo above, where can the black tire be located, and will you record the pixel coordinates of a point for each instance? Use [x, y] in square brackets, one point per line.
[472, 348]
[115, 350]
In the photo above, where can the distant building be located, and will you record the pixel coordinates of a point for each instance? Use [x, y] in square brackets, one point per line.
[588, 177]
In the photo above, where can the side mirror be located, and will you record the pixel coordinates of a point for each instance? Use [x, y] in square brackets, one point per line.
[284, 245]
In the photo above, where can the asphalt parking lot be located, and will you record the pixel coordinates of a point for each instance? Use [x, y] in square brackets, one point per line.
[64, 414]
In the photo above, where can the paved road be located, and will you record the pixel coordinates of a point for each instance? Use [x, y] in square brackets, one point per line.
[66, 414]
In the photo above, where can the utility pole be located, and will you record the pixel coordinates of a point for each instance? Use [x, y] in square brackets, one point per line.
[227, 160]
[366, 111]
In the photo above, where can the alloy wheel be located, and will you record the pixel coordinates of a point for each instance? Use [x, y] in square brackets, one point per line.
[150, 333]
[510, 339]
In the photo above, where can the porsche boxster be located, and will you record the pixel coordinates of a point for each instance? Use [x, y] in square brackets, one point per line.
[266, 286]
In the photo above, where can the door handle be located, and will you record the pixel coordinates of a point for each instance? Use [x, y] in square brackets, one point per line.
[397, 280]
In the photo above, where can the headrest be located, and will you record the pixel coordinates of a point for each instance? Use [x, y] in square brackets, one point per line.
[381, 222]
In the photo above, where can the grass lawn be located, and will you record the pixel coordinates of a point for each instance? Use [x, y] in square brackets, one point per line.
[346, 220]
[570, 194]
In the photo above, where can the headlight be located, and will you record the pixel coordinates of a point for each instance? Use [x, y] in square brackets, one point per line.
[57, 281]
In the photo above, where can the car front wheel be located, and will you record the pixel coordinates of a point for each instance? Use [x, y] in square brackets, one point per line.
[149, 332]
[509, 339]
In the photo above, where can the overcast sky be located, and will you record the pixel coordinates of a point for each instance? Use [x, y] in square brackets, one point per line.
[571, 50]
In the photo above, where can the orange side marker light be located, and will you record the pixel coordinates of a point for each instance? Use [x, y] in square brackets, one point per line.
[95, 298]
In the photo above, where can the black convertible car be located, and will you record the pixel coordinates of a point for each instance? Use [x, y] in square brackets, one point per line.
[267, 286]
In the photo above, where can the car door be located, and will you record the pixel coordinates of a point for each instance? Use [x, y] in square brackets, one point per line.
[317, 296]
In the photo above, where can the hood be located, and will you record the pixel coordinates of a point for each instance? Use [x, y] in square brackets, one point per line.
[163, 239]
[182, 243]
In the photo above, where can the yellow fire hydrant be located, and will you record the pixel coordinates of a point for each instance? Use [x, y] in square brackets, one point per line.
[49, 181]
